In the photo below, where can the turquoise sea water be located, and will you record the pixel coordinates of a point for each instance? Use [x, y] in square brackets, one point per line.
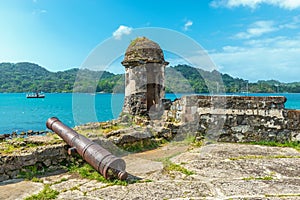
[17, 113]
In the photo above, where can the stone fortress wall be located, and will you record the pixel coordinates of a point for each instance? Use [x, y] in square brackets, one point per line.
[237, 118]
[50, 157]
[218, 118]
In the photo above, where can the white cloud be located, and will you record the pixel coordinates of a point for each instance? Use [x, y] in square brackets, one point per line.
[187, 25]
[257, 29]
[294, 24]
[273, 58]
[285, 4]
[39, 11]
[122, 30]
[262, 27]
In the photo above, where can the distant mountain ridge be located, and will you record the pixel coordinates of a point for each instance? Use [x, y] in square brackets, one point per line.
[30, 77]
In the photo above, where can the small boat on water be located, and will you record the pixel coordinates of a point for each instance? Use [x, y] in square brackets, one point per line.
[35, 95]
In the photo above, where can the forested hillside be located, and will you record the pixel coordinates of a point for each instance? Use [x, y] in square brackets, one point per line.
[29, 77]
[200, 79]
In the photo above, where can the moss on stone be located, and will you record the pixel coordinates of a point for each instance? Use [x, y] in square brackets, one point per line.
[138, 39]
[264, 178]
[249, 157]
[46, 193]
[175, 167]
[143, 50]
[18, 145]
[292, 144]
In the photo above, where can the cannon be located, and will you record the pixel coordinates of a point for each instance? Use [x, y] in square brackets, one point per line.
[99, 158]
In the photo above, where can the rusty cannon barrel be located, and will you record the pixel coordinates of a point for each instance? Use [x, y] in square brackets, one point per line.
[103, 161]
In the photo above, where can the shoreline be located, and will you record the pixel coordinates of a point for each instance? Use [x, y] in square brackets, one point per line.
[23, 134]
[290, 104]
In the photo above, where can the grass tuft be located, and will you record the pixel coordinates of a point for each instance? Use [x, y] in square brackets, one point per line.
[178, 168]
[60, 181]
[249, 157]
[282, 195]
[37, 180]
[292, 144]
[30, 172]
[17, 145]
[265, 178]
[170, 166]
[45, 194]
[87, 171]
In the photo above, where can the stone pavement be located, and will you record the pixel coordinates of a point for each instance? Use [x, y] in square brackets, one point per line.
[220, 171]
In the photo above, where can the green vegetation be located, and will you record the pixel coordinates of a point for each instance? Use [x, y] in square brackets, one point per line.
[193, 141]
[37, 180]
[46, 193]
[170, 166]
[87, 171]
[31, 172]
[249, 157]
[143, 145]
[282, 195]
[99, 129]
[16, 145]
[292, 144]
[265, 178]
[74, 188]
[187, 79]
[110, 128]
[60, 181]
[29, 77]
[175, 167]
[261, 178]
[133, 42]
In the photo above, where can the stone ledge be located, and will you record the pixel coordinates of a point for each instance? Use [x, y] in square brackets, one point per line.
[215, 176]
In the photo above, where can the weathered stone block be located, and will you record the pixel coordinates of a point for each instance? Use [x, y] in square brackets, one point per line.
[47, 162]
[257, 118]
[4, 177]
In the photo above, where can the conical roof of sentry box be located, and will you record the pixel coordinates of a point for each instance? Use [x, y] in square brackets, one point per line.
[141, 51]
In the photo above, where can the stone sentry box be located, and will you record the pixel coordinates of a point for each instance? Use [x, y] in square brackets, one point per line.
[144, 77]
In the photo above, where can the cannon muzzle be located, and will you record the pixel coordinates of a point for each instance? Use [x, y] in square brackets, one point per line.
[103, 161]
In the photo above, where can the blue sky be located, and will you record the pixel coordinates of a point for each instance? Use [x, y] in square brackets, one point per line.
[251, 39]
